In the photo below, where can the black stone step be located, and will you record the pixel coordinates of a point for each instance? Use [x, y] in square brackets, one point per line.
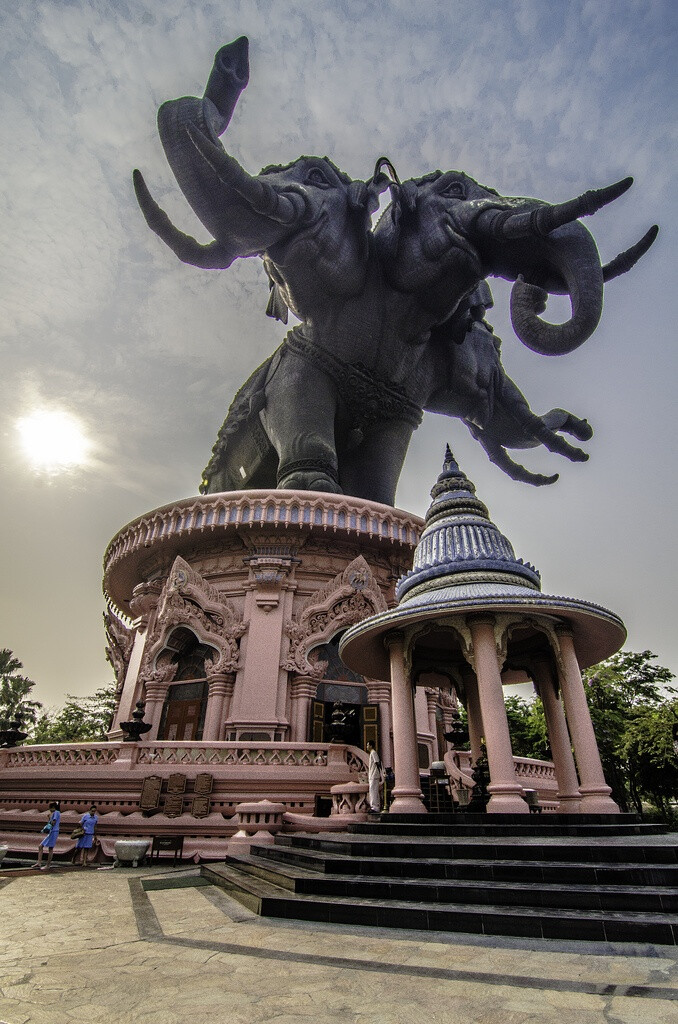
[274, 900]
[464, 818]
[659, 899]
[568, 849]
[531, 825]
[596, 873]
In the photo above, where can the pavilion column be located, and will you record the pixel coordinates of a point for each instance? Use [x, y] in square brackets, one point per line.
[431, 705]
[217, 696]
[476, 733]
[380, 693]
[559, 737]
[595, 792]
[407, 794]
[505, 790]
[302, 692]
[155, 698]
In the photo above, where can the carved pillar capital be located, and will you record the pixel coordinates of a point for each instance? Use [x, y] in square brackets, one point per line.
[303, 686]
[432, 699]
[378, 691]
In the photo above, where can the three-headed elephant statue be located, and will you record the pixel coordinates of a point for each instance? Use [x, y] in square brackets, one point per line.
[391, 316]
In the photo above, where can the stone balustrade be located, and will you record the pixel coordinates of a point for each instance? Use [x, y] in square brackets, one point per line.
[60, 754]
[529, 768]
[186, 753]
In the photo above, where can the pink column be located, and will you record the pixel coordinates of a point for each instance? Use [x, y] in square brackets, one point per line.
[431, 705]
[407, 795]
[302, 691]
[229, 685]
[476, 733]
[504, 788]
[155, 698]
[595, 792]
[216, 698]
[559, 737]
[381, 694]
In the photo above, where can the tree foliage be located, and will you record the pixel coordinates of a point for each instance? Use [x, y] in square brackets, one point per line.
[634, 711]
[14, 691]
[527, 726]
[80, 720]
[621, 692]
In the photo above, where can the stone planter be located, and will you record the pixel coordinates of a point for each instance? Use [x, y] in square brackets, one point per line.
[3, 851]
[130, 851]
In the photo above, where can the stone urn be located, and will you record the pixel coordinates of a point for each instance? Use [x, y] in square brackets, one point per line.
[130, 851]
[3, 850]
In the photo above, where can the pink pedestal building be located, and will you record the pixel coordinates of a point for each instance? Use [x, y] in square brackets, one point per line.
[226, 614]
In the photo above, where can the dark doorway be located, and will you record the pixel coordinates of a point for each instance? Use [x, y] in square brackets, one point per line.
[184, 712]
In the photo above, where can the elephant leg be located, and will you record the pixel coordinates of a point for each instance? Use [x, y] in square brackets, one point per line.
[371, 470]
[298, 417]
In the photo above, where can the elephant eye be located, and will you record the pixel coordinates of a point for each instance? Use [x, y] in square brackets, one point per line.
[455, 190]
[316, 177]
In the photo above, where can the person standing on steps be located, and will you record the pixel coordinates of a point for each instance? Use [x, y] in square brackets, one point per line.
[88, 823]
[52, 834]
[375, 778]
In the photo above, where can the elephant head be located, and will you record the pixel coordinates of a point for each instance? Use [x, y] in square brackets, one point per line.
[445, 232]
[308, 218]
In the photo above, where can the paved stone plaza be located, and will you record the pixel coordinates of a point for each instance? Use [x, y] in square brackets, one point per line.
[158, 946]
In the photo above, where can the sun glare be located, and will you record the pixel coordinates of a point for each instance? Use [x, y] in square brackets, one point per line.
[53, 440]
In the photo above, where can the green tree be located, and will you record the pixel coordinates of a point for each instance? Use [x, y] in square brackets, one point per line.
[527, 726]
[14, 691]
[80, 720]
[648, 749]
[620, 691]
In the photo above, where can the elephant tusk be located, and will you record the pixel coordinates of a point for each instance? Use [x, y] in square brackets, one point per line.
[210, 257]
[541, 220]
[625, 260]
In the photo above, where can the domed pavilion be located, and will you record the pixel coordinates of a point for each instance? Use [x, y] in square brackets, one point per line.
[473, 612]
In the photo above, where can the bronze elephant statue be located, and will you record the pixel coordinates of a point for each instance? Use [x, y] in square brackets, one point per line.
[391, 317]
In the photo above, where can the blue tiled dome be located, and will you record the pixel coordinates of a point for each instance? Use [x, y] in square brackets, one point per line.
[460, 545]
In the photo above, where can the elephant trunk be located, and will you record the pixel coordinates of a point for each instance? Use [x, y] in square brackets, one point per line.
[245, 214]
[569, 254]
[285, 207]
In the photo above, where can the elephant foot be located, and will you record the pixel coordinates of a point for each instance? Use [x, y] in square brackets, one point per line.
[309, 480]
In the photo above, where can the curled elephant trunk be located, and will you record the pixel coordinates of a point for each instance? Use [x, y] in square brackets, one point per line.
[243, 212]
[569, 254]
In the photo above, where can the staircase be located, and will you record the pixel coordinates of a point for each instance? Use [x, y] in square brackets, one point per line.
[595, 877]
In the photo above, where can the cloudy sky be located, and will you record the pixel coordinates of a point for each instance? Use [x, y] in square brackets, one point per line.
[100, 321]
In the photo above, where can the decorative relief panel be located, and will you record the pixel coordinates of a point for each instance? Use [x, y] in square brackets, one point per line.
[347, 599]
[189, 600]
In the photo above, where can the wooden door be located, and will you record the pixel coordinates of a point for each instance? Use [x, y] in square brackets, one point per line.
[182, 720]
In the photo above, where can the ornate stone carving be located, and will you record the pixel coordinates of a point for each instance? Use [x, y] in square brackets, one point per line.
[144, 601]
[347, 599]
[120, 639]
[269, 568]
[189, 600]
